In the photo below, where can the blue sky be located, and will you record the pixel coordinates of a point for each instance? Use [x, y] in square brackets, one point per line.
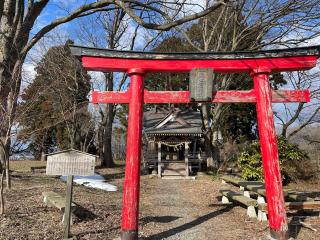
[60, 8]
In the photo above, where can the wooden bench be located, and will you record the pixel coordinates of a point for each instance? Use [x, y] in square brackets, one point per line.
[258, 187]
[54, 199]
[39, 169]
[300, 202]
[251, 204]
[308, 205]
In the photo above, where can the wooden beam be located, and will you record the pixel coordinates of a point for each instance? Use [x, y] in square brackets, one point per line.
[295, 205]
[277, 60]
[131, 186]
[239, 197]
[67, 210]
[238, 181]
[56, 200]
[219, 65]
[269, 153]
[299, 197]
[186, 160]
[231, 96]
[80, 51]
[159, 160]
[110, 97]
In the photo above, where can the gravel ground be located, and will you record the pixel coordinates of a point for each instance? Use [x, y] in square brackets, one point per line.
[169, 209]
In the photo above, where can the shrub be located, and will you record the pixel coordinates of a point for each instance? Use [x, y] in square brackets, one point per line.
[294, 162]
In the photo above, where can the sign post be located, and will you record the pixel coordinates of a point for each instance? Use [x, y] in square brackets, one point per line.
[67, 210]
[70, 163]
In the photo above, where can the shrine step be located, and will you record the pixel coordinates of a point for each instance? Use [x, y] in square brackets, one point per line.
[179, 177]
[174, 173]
[174, 169]
[173, 166]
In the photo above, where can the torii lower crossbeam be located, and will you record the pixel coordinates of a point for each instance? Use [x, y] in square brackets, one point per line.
[235, 96]
[259, 64]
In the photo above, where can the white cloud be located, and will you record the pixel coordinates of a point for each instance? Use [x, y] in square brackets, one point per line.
[28, 75]
[97, 80]
[28, 71]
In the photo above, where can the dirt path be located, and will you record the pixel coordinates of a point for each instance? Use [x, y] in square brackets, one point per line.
[184, 209]
[173, 208]
[169, 209]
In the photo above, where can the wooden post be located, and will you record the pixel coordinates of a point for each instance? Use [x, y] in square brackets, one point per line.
[130, 208]
[194, 147]
[67, 210]
[186, 160]
[159, 159]
[270, 160]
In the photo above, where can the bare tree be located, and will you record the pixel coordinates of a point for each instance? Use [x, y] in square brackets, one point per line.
[250, 25]
[1, 194]
[295, 117]
[118, 32]
[18, 18]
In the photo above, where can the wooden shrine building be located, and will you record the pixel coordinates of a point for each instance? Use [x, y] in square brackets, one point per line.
[173, 141]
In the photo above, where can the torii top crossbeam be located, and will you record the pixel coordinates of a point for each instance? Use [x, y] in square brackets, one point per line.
[259, 64]
[278, 60]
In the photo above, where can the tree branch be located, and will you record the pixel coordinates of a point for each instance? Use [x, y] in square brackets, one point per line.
[171, 23]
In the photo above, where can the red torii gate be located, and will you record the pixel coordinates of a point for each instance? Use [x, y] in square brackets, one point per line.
[259, 64]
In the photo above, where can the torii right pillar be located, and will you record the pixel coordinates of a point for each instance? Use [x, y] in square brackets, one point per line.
[269, 151]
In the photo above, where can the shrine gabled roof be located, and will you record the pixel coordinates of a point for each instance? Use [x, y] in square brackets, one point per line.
[270, 53]
[172, 122]
[71, 150]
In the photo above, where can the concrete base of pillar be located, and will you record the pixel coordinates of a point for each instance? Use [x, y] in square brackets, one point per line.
[270, 238]
[129, 235]
[281, 235]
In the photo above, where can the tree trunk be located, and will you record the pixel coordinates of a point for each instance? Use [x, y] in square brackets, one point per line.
[107, 159]
[4, 155]
[106, 128]
[205, 113]
[8, 176]
[1, 194]
[216, 154]
[4, 125]
[10, 77]
[217, 111]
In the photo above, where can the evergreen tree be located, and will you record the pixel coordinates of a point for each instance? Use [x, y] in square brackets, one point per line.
[54, 106]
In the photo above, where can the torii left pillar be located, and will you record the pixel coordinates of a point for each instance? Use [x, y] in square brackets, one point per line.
[130, 208]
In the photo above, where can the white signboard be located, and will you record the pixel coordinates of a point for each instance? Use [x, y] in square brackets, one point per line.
[71, 162]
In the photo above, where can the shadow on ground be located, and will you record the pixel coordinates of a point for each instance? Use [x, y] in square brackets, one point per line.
[83, 214]
[161, 219]
[188, 225]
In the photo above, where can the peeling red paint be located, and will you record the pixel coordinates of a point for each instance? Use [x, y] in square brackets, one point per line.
[269, 151]
[262, 95]
[130, 208]
[185, 65]
[235, 96]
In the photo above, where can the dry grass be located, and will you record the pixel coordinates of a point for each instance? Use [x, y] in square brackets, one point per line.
[169, 209]
[25, 165]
